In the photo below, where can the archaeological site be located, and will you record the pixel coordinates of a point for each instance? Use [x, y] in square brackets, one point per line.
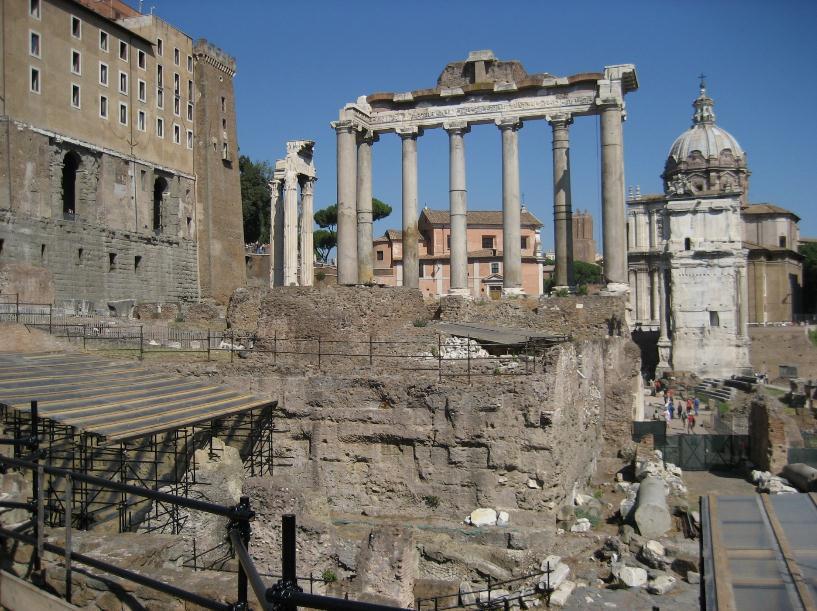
[223, 387]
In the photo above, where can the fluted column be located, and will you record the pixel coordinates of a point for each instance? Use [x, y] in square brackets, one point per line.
[365, 271]
[307, 259]
[290, 229]
[411, 254]
[562, 205]
[654, 299]
[276, 234]
[511, 233]
[664, 343]
[458, 203]
[347, 202]
[612, 197]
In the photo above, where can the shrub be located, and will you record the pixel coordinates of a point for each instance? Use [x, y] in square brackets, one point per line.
[320, 276]
[179, 317]
[431, 501]
[812, 335]
[420, 322]
[723, 407]
[597, 494]
[590, 516]
[581, 289]
[329, 576]
[562, 293]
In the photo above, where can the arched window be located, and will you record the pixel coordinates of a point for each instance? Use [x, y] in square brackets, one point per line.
[70, 167]
[159, 189]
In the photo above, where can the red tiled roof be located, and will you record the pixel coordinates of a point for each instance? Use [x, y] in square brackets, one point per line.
[478, 217]
[766, 209]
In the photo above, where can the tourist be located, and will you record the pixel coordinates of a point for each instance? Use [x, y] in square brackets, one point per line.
[671, 410]
[667, 415]
[683, 413]
[695, 404]
[689, 404]
[691, 423]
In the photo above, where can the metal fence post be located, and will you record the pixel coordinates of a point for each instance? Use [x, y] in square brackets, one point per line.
[84, 334]
[50, 317]
[208, 344]
[232, 343]
[69, 511]
[141, 343]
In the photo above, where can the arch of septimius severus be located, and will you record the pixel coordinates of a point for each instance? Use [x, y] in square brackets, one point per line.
[480, 90]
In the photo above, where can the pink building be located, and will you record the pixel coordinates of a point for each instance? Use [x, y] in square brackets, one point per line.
[484, 254]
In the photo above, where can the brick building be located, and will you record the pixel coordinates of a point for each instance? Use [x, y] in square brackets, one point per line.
[118, 156]
[484, 236]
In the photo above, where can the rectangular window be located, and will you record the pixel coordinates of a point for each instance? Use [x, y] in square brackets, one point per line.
[160, 98]
[781, 241]
[176, 84]
[103, 41]
[76, 62]
[141, 121]
[103, 107]
[190, 63]
[76, 27]
[177, 107]
[123, 82]
[494, 268]
[190, 138]
[79, 256]
[160, 76]
[141, 59]
[177, 134]
[123, 113]
[75, 97]
[189, 112]
[487, 241]
[160, 127]
[111, 261]
[524, 242]
[448, 242]
[714, 319]
[422, 273]
[190, 90]
[225, 151]
[34, 44]
[34, 8]
[123, 50]
[160, 47]
[142, 90]
[379, 255]
[176, 56]
[103, 74]
[137, 261]
[223, 104]
[34, 81]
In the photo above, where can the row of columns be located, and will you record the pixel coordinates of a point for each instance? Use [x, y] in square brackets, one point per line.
[291, 231]
[354, 165]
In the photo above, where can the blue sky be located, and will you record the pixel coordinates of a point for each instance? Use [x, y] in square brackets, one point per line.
[299, 62]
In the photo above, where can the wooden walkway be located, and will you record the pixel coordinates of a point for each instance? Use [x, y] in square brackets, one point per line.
[115, 399]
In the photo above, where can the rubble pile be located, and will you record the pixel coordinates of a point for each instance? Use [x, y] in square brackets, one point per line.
[771, 484]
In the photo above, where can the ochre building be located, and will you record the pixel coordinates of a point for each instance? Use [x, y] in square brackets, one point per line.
[118, 157]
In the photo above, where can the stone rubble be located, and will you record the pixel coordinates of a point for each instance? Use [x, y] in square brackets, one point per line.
[582, 525]
[670, 473]
[772, 484]
[629, 576]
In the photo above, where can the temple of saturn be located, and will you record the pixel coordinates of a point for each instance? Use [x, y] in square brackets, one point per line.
[291, 252]
[479, 90]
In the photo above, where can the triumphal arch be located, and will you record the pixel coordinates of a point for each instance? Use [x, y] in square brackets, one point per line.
[480, 90]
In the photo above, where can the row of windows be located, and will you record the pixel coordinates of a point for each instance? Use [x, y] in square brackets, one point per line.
[35, 11]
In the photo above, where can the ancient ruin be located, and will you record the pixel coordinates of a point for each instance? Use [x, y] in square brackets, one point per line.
[291, 252]
[479, 90]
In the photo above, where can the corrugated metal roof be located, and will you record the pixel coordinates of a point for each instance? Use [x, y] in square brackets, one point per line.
[115, 399]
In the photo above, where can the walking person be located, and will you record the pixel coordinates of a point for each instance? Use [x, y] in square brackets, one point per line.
[695, 404]
[691, 423]
[671, 410]
[683, 414]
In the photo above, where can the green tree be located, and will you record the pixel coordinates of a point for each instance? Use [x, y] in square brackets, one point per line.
[326, 238]
[809, 251]
[255, 198]
[586, 273]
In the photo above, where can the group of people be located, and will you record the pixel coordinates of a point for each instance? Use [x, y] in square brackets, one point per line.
[686, 411]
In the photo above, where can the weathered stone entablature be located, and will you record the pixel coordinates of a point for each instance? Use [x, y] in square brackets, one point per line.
[484, 90]
[205, 51]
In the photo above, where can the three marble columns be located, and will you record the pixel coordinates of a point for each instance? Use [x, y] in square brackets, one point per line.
[354, 203]
[291, 243]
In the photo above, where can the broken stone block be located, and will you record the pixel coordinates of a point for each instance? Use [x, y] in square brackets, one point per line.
[467, 596]
[653, 555]
[661, 585]
[693, 577]
[562, 593]
[503, 518]
[483, 516]
[582, 525]
[630, 576]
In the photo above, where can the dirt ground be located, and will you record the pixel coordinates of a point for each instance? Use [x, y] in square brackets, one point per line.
[17, 338]
[773, 346]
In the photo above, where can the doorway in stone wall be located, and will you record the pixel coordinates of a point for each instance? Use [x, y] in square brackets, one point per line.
[70, 169]
[159, 190]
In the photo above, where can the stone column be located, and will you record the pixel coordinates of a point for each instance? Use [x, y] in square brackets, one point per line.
[664, 343]
[562, 205]
[411, 254]
[347, 202]
[276, 232]
[511, 231]
[365, 273]
[612, 196]
[654, 299]
[743, 303]
[653, 242]
[458, 203]
[307, 271]
[290, 229]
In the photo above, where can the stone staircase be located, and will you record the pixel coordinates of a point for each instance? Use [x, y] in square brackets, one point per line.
[713, 388]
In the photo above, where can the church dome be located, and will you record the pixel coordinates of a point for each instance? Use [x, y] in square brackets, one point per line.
[705, 159]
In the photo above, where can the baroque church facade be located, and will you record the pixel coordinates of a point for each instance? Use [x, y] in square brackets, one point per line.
[697, 261]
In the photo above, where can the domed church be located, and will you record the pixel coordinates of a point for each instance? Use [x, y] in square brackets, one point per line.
[703, 262]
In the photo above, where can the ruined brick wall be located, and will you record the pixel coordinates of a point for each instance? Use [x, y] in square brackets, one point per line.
[768, 447]
[580, 317]
[78, 256]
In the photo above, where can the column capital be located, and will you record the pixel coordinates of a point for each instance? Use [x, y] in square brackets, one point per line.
[345, 126]
[457, 127]
[560, 120]
[308, 185]
[409, 132]
[291, 180]
[513, 123]
[274, 185]
[367, 136]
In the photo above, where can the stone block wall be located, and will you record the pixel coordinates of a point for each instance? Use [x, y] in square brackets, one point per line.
[94, 265]
[768, 443]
